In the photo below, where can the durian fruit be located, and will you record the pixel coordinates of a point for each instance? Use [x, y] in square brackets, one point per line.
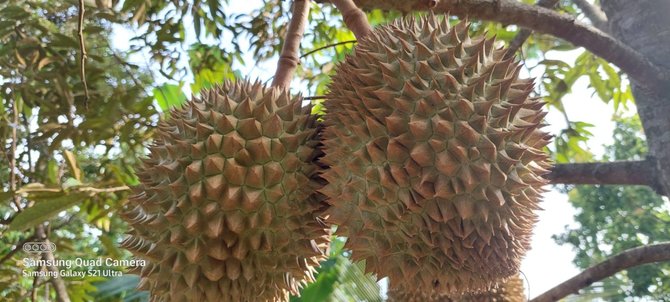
[512, 290]
[435, 155]
[227, 209]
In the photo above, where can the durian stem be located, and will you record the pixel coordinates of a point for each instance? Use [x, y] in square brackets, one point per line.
[624, 260]
[354, 18]
[290, 56]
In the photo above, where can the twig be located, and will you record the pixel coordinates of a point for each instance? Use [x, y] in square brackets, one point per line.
[327, 46]
[123, 63]
[7, 221]
[354, 18]
[82, 49]
[594, 14]
[627, 259]
[104, 190]
[19, 247]
[12, 163]
[525, 33]
[316, 97]
[641, 70]
[33, 289]
[75, 189]
[289, 57]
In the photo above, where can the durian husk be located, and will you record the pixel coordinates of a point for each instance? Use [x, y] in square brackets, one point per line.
[227, 207]
[511, 290]
[436, 157]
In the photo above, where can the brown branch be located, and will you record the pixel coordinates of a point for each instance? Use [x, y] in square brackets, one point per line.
[559, 25]
[37, 282]
[289, 57]
[354, 18]
[605, 173]
[327, 46]
[82, 49]
[58, 283]
[594, 14]
[627, 259]
[525, 33]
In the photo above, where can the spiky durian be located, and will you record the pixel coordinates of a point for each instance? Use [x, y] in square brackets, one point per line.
[435, 154]
[511, 290]
[227, 209]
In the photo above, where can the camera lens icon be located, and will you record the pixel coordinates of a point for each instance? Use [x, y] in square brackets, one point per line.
[39, 247]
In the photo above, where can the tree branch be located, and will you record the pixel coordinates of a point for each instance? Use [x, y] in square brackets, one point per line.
[594, 14]
[290, 57]
[12, 163]
[627, 259]
[605, 173]
[58, 283]
[559, 25]
[327, 46]
[525, 33]
[354, 18]
[82, 48]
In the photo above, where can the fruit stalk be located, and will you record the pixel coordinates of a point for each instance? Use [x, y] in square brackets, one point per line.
[289, 57]
[354, 18]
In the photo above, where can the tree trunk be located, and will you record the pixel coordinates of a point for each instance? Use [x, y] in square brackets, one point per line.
[644, 25]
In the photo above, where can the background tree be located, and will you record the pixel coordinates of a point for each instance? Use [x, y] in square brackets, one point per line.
[615, 218]
[73, 126]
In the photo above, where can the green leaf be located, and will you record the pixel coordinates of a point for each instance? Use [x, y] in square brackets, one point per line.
[321, 289]
[70, 182]
[43, 211]
[52, 172]
[6, 195]
[169, 96]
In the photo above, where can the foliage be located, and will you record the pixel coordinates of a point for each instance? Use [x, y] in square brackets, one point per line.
[75, 157]
[339, 279]
[615, 218]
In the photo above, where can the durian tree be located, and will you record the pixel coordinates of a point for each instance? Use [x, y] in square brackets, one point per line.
[427, 158]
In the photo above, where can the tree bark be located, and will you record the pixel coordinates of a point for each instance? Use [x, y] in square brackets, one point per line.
[644, 25]
[606, 173]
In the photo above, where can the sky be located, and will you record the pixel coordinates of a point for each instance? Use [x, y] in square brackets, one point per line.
[546, 264]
